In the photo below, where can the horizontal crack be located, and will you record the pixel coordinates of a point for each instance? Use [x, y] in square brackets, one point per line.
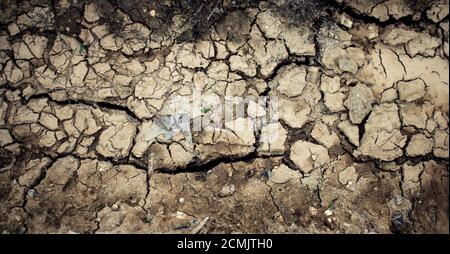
[95, 104]
[197, 166]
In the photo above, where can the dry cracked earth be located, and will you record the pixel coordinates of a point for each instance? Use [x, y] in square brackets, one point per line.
[86, 144]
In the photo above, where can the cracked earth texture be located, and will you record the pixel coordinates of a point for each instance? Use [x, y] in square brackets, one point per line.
[363, 137]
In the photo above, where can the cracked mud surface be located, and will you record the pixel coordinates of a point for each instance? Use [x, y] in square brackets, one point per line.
[362, 138]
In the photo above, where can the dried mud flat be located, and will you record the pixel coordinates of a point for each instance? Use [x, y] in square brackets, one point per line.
[362, 145]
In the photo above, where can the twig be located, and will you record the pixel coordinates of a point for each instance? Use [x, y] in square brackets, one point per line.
[200, 226]
[213, 9]
[199, 9]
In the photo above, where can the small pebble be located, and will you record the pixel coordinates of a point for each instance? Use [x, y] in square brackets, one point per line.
[313, 211]
[115, 207]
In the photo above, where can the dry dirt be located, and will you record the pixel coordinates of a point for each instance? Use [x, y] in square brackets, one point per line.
[363, 95]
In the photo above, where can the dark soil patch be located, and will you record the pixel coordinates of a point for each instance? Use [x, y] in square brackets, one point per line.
[201, 14]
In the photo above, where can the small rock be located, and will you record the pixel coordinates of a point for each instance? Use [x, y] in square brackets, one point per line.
[346, 20]
[359, 103]
[372, 31]
[227, 190]
[31, 193]
[115, 207]
[348, 176]
[313, 211]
